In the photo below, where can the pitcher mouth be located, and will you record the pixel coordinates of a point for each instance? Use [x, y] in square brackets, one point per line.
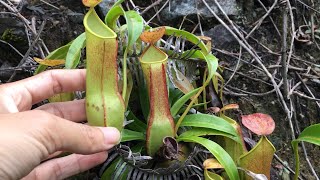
[140, 167]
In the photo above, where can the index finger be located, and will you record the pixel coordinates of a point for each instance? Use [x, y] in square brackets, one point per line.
[32, 90]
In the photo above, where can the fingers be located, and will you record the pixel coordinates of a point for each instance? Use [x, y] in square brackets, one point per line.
[67, 166]
[72, 110]
[29, 91]
[58, 134]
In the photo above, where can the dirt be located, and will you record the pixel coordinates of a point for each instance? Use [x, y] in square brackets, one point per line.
[65, 24]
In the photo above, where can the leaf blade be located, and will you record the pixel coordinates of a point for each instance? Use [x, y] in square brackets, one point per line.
[208, 132]
[59, 53]
[311, 135]
[209, 121]
[178, 104]
[220, 154]
[128, 135]
[74, 52]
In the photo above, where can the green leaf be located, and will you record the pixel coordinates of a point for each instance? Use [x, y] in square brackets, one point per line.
[174, 93]
[128, 135]
[178, 105]
[118, 2]
[209, 121]
[211, 176]
[258, 160]
[212, 63]
[113, 14]
[233, 148]
[59, 53]
[107, 174]
[74, 52]
[218, 152]
[62, 97]
[189, 36]
[310, 134]
[135, 26]
[206, 132]
[137, 124]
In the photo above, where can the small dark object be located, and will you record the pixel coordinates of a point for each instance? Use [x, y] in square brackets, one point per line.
[170, 149]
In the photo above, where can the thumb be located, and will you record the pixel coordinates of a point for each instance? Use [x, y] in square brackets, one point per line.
[64, 135]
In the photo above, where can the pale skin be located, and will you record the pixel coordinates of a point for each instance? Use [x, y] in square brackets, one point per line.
[29, 137]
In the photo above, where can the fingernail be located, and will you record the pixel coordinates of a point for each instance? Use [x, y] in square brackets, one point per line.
[111, 136]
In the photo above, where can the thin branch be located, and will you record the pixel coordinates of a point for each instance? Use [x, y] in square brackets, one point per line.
[305, 96]
[308, 89]
[165, 4]
[262, 19]
[150, 6]
[236, 68]
[28, 51]
[247, 47]
[284, 69]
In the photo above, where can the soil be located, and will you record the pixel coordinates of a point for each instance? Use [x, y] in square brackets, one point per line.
[65, 24]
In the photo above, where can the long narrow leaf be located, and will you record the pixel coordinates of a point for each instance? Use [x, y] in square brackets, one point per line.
[59, 53]
[128, 135]
[212, 64]
[206, 131]
[74, 52]
[137, 124]
[219, 153]
[189, 36]
[209, 121]
[178, 105]
[211, 176]
[135, 28]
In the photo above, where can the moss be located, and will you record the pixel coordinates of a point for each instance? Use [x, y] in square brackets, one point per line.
[9, 35]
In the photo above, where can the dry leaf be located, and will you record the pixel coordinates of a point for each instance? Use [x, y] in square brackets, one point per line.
[152, 36]
[49, 62]
[207, 40]
[212, 164]
[230, 106]
[258, 123]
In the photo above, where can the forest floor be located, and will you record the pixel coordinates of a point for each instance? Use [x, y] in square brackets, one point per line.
[269, 37]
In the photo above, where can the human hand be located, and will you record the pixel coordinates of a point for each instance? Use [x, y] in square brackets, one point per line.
[29, 137]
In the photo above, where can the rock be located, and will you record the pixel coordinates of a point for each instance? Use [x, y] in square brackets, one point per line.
[75, 16]
[180, 8]
[221, 37]
[105, 6]
[12, 31]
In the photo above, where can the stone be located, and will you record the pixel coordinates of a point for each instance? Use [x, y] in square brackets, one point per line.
[180, 8]
[221, 37]
[105, 6]
[75, 16]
